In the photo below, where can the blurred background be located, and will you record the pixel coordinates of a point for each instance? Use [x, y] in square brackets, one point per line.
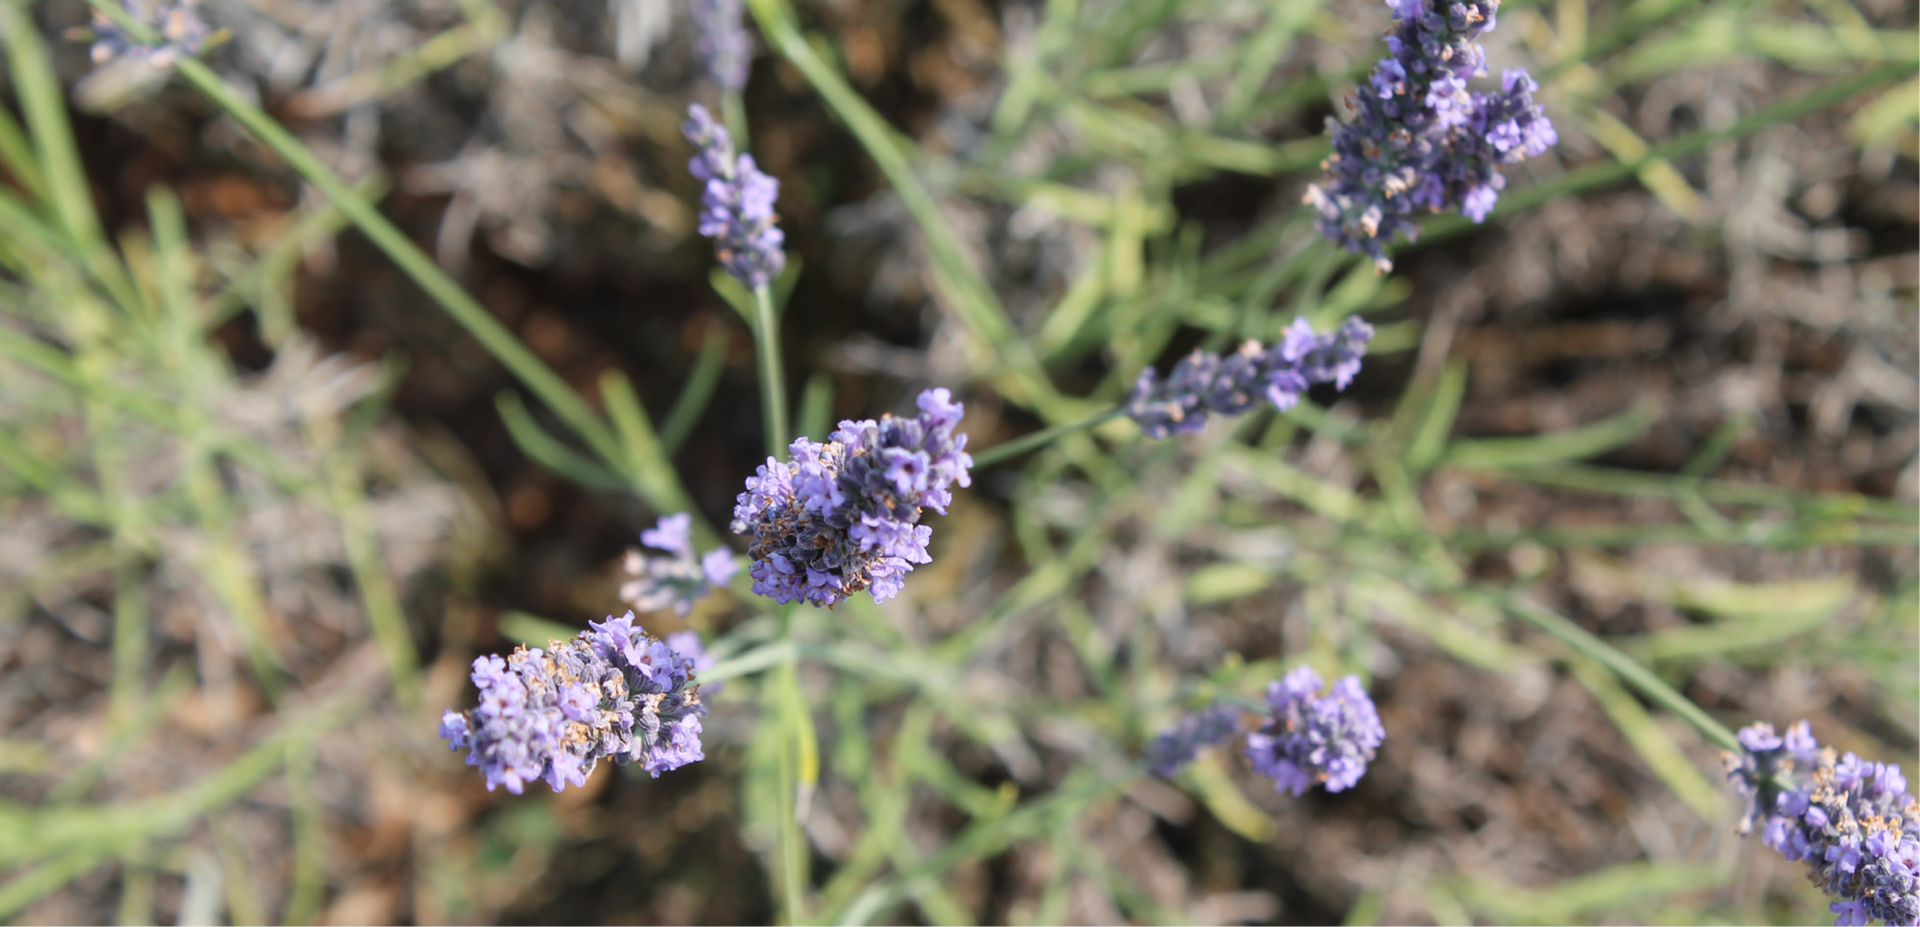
[249, 548]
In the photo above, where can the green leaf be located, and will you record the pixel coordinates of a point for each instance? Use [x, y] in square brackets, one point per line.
[1573, 444]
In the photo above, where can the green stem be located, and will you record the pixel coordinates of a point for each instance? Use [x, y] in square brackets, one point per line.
[733, 113]
[773, 383]
[493, 336]
[1009, 449]
[1623, 666]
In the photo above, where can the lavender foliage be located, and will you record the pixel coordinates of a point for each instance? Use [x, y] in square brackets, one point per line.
[1311, 738]
[1201, 382]
[1209, 727]
[680, 579]
[1852, 822]
[182, 33]
[1419, 138]
[736, 210]
[611, 691]
[721, 43]
[843, 516]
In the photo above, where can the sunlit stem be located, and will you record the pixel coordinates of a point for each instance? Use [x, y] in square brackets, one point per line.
[1629, 670]
[1007, 450]
[773, 384]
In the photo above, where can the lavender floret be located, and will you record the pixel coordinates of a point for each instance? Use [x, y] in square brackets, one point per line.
[1201, 383]
[1851, 821]
[721, 43]
[1312, 738]
[843, 516]
[679, 580]
[736, 210]
[1209, 727]
[182, 33]
[1419, 138]
[552, 714]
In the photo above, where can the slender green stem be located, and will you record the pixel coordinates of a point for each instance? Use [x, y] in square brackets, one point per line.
[1009, 449]
[493, 336]
[733, 113]
[773, 384]
[1623, 666]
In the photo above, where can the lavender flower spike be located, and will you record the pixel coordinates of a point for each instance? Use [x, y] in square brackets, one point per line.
[843, 516]
[182, 33]
[736, 211]
[611, 691]
[1203, 383]
[677, 581]
[1419, 139]
[1209, 727]
[1312, 738]
[721, 44]
[1852, 822]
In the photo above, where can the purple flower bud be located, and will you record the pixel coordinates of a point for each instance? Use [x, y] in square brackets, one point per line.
[181, 34]
[1204, 383]
[1851, 821]
[677, 581]
[1209, 727]
[1420, 139]
[721, 43]
[1312, 738]
[843, 517]
[736, 211]
[609, 692]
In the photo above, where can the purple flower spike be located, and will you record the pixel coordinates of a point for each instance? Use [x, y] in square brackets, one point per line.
[1419, 138]
[736, 211]
[676, 581]
[182, 34]
[1312, 738]
[1203, 383]
[1851, 821]
[843, 516]
[721, 43]
[609, 692]
[1209, 727]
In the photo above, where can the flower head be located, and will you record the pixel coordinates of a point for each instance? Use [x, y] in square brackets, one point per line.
[678, 580]
[611, 691]
[721, 44]
[1851, 821]
[1209, 727]
[1419, 138]
[1311, 738]
[1201, 383]
[736, 210]
[843, 516]
[181, 33]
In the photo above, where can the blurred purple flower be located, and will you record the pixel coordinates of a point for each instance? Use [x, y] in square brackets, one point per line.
[1851, 821]
[736, 210]
[182, 33]
[611, 691]
[721, 42]
[1201, 383]
[1311, 738]
[1209, 727]
[1419, 139]
[676, 581]
[843, 516]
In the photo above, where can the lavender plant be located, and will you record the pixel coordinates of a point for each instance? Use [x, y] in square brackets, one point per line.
[736, 208]
[1851, 821]
[722, 45]
[1419, 138]
[679, 580]
[180, 33]
[1312, 739]
[1203, 382]
[613, 691]
[843, 517]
